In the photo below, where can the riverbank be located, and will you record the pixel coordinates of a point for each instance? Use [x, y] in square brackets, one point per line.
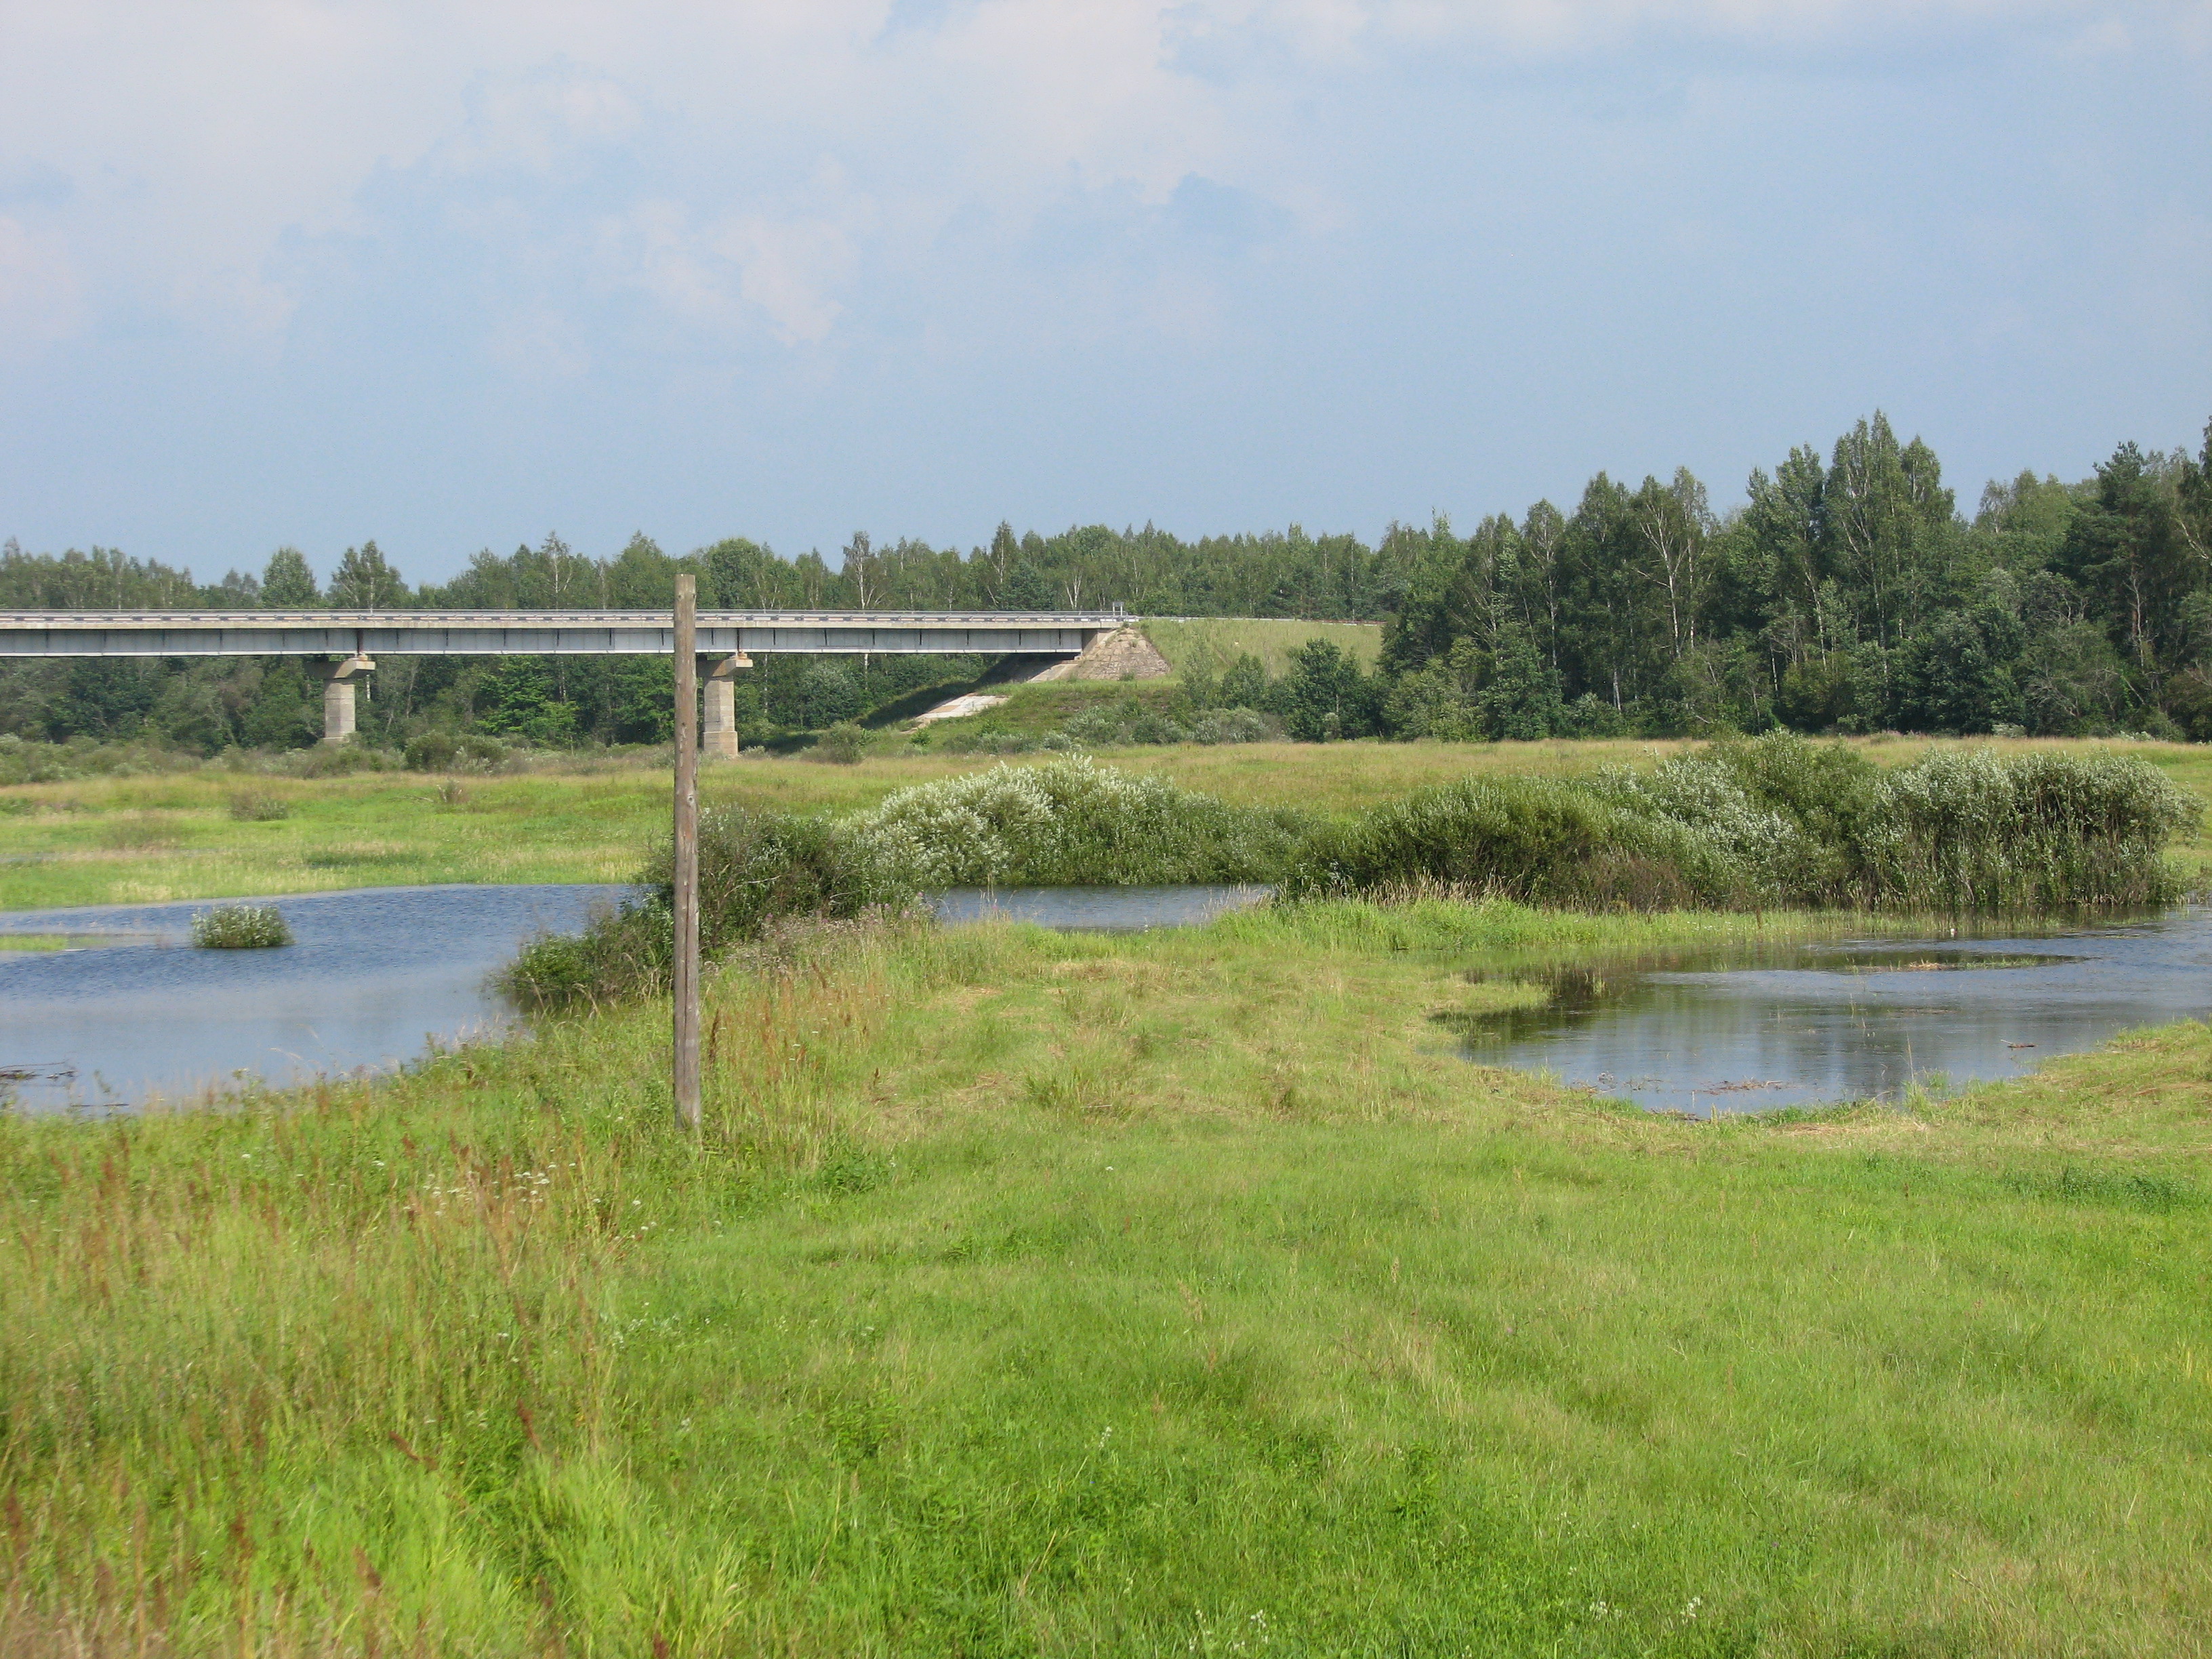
[155, 839]
[1045, 1294]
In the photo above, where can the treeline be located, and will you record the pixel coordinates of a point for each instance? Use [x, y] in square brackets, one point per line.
[1848, 592]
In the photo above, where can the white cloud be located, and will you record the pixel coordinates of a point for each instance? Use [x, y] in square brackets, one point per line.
[195, 138]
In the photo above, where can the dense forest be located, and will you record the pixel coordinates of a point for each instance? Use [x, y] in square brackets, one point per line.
[1847, 593]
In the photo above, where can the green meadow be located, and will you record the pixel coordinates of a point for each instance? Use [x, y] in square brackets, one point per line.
[1185, 1292]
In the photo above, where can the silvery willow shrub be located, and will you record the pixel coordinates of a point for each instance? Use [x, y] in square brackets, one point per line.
[1737, 846]
[1077, 823]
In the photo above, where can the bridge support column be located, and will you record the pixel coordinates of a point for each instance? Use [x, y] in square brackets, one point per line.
[720, 735]
[338, 695]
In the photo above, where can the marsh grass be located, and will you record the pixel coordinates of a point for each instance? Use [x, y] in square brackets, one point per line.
[241, 927]
[1043, 1294]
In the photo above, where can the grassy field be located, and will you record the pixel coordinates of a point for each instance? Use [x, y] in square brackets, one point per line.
[1184, 1292]
[147, 840]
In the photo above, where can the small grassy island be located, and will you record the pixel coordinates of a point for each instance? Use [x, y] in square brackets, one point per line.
[1186, 1291]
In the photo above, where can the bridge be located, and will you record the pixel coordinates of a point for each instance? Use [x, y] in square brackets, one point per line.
[342, 644]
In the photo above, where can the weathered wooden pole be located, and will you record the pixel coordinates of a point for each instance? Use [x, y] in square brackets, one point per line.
[687, 852]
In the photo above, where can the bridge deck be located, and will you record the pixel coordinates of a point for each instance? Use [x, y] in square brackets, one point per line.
[535, 633]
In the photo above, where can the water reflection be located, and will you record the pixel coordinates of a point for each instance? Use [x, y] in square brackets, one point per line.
[372, 977]
[1750, 1030]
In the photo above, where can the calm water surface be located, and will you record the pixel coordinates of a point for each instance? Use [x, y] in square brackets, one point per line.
[1854, 1020]
[373, 977]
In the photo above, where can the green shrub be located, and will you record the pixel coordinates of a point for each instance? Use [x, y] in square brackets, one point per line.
[442, 752]
[622, 954]
[241, 927]
[433, 751]
[842, 744]
[258, 806]
[1542, 841]
[1780, 821]
[755, 869]
[1074, 822]
[756, 866]
[1980, 832]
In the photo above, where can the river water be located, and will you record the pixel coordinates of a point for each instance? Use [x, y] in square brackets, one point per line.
[1727, 1031]
[372, 978]
[377, 975]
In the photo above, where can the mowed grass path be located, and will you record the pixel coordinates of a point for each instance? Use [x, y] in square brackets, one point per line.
[1178, 1293]
[148, 840]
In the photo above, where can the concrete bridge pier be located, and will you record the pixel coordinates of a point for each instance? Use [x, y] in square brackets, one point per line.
[338, 695]
[719, 734]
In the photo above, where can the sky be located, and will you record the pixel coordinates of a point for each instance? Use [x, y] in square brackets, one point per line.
[458, 274]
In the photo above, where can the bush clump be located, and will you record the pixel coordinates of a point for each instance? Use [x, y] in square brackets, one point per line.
[1073, 822]
[1541, 840]
[1981, 831]
[1780, 821]
[241, 927]
[258, 806]
[755, 869]
[841, 744]
[444, 751]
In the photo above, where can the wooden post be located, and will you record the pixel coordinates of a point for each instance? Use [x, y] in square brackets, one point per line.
[687, 853]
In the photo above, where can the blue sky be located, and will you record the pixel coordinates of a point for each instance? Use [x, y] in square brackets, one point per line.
[452, 275]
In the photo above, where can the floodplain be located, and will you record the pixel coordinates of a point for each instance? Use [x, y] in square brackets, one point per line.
[1030, 1292]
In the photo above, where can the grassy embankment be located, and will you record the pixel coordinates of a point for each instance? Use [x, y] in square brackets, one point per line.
[115, 841]
[1214, 642]
[1180, 1292]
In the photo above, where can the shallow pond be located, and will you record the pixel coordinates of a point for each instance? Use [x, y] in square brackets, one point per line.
[373, 977]
[1751, 1032]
